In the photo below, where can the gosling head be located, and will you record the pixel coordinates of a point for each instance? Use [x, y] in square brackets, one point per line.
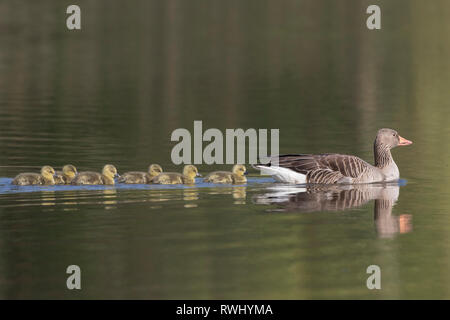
[239, 169]
[191, 171]
[110, 171]
[48, 172]
[154, 170]
[69, 171]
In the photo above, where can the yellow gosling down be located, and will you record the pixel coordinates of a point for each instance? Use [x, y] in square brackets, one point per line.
[107, 176]
[67, 174]
[45, 178]
[236, 176]
[187, 177]
[137, 177]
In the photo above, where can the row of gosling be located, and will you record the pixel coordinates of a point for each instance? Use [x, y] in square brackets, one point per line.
[155, 175]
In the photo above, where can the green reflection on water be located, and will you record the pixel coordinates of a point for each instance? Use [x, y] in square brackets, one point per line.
[114, 92]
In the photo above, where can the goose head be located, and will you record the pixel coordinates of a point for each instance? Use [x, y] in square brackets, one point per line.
[390, 138]
[110, 171]
[48, 173]
[154, 170]
[69, 171]
[191, 171]
[239, 169]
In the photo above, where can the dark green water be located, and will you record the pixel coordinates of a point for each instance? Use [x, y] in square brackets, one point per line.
[114, 91]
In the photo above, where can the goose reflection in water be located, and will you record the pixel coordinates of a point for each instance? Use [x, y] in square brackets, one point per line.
[339, 198]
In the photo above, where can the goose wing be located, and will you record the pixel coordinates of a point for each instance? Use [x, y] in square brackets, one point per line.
[325, 168]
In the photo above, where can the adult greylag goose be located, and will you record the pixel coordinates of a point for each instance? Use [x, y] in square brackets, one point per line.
[334, 168]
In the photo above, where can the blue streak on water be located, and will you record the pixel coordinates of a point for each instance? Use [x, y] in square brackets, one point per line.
[6, 187]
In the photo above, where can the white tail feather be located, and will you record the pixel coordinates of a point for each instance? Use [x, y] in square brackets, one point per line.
[283, 174]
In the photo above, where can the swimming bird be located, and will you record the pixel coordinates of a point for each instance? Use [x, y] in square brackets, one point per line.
[107, 176]
[333, 168]
[134, 177]
[187, 177]
[236, 176]
[45, 178]
[67, 174]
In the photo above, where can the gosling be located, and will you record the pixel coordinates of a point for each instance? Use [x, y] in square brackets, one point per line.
[136, 177]
[107, 176]
[67, 174]
[187, 177]
[45, 178]
[236, 176]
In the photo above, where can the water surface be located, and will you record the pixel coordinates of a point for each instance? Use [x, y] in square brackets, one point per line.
[114, 92]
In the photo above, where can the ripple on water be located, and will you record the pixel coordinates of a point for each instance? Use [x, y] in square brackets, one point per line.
[109, 196]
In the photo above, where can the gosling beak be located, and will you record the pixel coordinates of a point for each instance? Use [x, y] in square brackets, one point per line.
[403, 141]
[245, 173]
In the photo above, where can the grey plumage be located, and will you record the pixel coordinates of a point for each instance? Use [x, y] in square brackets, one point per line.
[331, 168]
[326, 168]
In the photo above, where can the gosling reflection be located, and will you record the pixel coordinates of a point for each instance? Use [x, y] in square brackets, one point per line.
[48, 198]
[72, 200]
[340, 198]
[239, 193]
[190, 195]
[109, 198]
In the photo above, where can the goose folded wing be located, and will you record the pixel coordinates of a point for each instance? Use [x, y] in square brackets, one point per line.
[331, 164]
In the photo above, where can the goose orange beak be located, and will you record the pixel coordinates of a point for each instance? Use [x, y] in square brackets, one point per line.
[403, 142]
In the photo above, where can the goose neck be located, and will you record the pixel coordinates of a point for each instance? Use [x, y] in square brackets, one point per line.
[382, 154]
